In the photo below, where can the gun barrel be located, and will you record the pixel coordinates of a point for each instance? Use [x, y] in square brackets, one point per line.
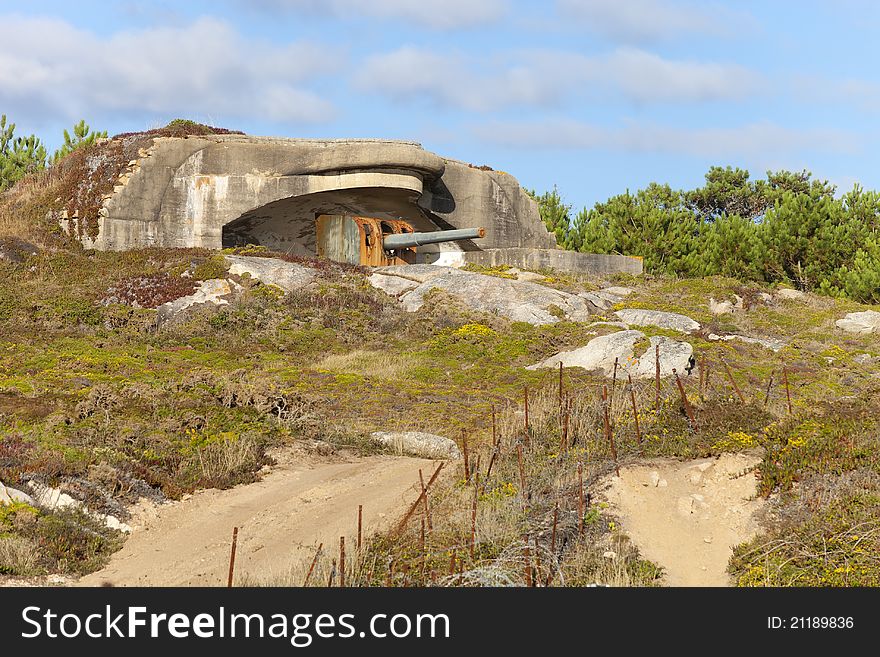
[407, 240]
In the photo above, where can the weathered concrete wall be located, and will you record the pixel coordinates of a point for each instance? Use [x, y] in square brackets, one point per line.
[223, 190]
[525, 258]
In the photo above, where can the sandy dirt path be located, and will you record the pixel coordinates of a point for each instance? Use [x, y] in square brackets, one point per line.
[687, 516]
[281, 519]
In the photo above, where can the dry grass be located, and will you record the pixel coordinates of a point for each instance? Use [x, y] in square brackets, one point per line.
[18, 556]
[370, 363]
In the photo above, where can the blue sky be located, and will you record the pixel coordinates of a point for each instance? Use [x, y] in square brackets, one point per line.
[594, 96]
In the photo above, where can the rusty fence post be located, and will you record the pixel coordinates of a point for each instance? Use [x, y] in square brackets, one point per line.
[467, 456]
[580, 500]
[427, 506]
[312, 567]
[733, 382]
[609, 434]
[415, 505]
[684, 401]
[769, 386]
[632, 397]
[342, 561]
[657, 378]
[787, 390]
[361, 519]
[232, 557]
[560, 384]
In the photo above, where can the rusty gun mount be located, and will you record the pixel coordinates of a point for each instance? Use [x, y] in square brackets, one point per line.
[379, 242]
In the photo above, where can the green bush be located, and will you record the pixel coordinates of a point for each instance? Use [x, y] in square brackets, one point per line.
[787, 229]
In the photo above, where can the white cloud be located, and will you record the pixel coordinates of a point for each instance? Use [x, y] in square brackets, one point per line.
[446, 15]
[546, 78]
[759, 139]
[863, 95]
[49, 68]
[639, 21]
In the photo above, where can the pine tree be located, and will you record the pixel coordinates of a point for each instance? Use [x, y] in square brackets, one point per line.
[18, 155]
[82, 137]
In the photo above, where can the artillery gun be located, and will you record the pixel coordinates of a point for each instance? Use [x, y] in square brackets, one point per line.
[379, 242]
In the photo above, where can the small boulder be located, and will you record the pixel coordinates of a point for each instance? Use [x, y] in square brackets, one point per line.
[520, 301]
[10, 495]
[289, 276]
[769, 343]
[720, 307]
[15, 251]
[418, 443]
[618, 291]
[601, 299]
[660, 319]
[863, 322]
[789, 294]
[392, 285]
[213, 292]
[600, 353]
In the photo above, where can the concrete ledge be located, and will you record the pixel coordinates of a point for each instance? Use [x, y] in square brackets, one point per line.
[526, 258]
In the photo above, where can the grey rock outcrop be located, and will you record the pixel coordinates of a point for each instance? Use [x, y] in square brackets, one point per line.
[863, 322]
[770, 343]
[790, 295]
[658, 318]
[289, 276]
[600, 353]
[10, 495]
[54, 499]
[392, 284]
[418, 443]
[213, 292]
[606, 298]
[520, 301]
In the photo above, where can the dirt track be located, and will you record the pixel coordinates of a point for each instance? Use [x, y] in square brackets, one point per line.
[280, 519]
[688, 515]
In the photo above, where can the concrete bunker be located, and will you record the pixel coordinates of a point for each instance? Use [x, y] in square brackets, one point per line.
[225, 190]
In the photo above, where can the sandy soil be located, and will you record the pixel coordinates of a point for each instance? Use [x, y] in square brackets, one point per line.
[687, 516]
[281, 519]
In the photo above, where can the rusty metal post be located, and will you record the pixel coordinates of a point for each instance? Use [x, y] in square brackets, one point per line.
[560, 384]
[522, 472]
[361, 519]
[657, 378]
[425, 495]
[312, 567]
[467, 456]
[474, 524]
[632, 397]
[613, 382]
[415, 505]
[565, 420]
[733, 381]
[787, 390]
[526, 397]
[232, 557]
[609, 435]
[528, 557]
[332, 574]
[769, 386]
[494, 431]
[555, 523]
[342, 561]
[580, 500]
[684, 400]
